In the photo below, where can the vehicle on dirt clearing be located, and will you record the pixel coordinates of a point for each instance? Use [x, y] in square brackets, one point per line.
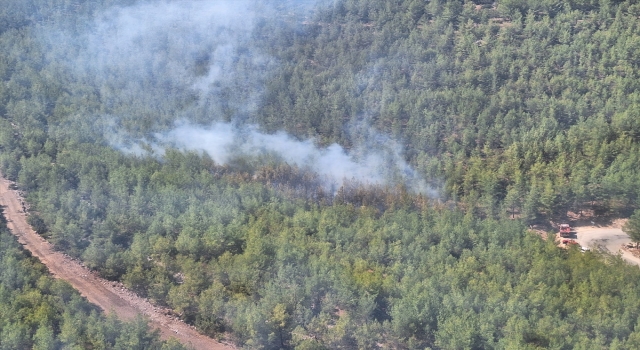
[565, 230]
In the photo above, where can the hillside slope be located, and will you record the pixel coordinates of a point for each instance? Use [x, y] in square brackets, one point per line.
[522, 107]
[108, 296]
[525, 110]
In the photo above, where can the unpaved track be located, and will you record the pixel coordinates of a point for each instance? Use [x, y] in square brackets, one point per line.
[609, 239]
[109, 296]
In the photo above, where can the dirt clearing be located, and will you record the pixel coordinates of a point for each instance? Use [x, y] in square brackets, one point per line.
[609, 239]
[109, 296]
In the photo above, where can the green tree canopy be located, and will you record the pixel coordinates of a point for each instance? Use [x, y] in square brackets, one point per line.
[632, 227]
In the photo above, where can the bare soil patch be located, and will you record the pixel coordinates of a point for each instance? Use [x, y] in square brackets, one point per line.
[632, 249]
[609, 239]
[588, 217]
[109, 296]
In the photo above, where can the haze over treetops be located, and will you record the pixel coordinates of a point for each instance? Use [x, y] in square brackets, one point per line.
[343, 174]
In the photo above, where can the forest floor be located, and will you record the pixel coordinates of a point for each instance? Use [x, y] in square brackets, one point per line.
[109, 296]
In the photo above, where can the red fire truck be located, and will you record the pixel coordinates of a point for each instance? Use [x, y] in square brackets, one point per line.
[565, 230]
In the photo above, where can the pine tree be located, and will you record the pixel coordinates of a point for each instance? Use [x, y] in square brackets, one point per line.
[632, 227]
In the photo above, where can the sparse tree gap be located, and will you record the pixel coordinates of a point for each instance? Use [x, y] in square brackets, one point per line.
[519, 111]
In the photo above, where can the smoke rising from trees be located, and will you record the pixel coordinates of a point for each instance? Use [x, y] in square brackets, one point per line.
[378, 162]
[157, 62]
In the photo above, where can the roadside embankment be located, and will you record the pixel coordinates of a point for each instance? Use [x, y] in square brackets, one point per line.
[109, 296]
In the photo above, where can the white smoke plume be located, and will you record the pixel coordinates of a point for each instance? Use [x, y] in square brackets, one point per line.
[155, 62]
[160, 61]
[224, 143]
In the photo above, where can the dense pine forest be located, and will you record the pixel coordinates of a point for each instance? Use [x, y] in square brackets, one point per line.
[511, 113]
[41, 313]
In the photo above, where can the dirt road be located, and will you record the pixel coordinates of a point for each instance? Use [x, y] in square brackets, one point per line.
[609, 239]
[109, 296]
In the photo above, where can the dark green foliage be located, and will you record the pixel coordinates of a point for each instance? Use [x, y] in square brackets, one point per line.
[37, 224]
[39, 312]
[523, 110]
[632, 227]
[521, 98]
